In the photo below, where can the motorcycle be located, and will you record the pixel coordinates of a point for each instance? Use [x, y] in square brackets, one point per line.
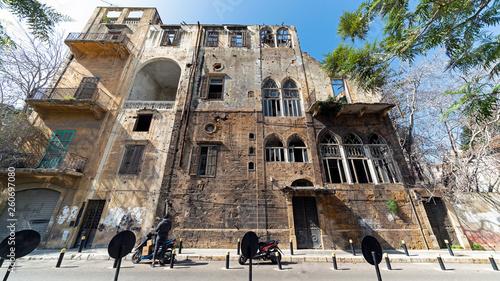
[149, 241]
[267, 251]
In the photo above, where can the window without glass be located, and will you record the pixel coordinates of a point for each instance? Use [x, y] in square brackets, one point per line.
[251, 151]
[275, 151]
[87, 88]
[272, 99]
[297, 151]
[266, 38]
[333, 165]
[382, 159]
[208, 161]
[302, 182]
[132, 160]
[239, 39]
[143, 122]
[251, 166]
[338, 86]
[356, 159]
[170, 37]
[291, 99]
[212, 87]
[212, 38]
[283, 38]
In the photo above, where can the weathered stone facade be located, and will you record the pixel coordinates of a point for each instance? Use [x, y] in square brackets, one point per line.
[220, 126]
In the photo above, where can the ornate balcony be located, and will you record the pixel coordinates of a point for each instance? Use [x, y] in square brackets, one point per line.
[99, 43]
[51, 100]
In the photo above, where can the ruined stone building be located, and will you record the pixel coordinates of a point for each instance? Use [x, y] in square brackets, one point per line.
[229, 128]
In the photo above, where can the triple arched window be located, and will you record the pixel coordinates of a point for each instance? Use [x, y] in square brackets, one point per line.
[297, 150]
[281, 102]
[355, 162]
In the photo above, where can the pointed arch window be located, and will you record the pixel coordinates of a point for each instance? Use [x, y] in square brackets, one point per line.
[283, 38]
[272, 98]
[266, 38]
[333, 164]
[356, 159]
[382, 160]
[275, 151]
[291, 99]
[297, 151]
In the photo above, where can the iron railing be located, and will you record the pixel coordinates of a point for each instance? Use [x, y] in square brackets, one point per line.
[70, 94]
[105, 37]
[19, 160]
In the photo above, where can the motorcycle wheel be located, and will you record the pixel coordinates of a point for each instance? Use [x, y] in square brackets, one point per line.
[136, 257]
[274, 260]
[242, 260]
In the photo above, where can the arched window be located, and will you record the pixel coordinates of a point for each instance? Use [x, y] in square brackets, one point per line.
[333, 165]
[291, 99]
[382, 160]
[357, 160]
[302, 182]
[272, 99]
[284, 38]
[274, 151]
[266, 38]
[297, 151]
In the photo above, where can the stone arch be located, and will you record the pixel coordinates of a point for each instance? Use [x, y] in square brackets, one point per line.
[157, 80]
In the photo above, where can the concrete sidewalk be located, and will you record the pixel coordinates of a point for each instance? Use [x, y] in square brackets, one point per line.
[395, 256]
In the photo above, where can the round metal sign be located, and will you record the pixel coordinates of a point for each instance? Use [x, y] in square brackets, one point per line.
[121, 245]
[369, 245]
[23, 242]
[249, 244]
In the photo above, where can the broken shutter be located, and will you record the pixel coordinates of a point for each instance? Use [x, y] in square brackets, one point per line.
[246, 39]
[205, 81]
[177, 37]
[193, 165]
[211, 161]
[131, 160]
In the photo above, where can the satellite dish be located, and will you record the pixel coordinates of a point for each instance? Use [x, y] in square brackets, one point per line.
[369, 245]
[26, 241]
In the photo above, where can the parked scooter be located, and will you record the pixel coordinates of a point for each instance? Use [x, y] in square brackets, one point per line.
[142, 253]
[267, 251]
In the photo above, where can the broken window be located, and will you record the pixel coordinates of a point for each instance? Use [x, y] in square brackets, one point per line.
[111, 17]
[283, 38]
[266, 38]
[356, 159]
[275, 151]
[338, 86]
[131, 162]
[272, 99]
[208, 161]
[239, 39]
[170, 37]
[143, 122]
[212, 38]
[297, 151]
[212, 87]
[382, 159]
[302, 182]
[251, 166]
[291, 99]
[134, 17]
[251, 151]
[333, 164]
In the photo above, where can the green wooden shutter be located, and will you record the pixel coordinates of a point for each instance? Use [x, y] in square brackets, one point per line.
[56, 149]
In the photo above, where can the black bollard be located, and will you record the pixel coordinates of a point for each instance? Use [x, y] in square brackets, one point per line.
[172, 259]
[493, 263]
[352, 248]
[441, 262]
[291, 247]
[227, 260]
[278, 259]
[81, 244]
[61, 256]
[1, 261]
[449, 247]
[238, 247]
[379, 277]
[404, 247]
[180, 246]
[334, 261]
[387, 261]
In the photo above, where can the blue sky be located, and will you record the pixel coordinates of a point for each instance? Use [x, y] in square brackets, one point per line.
[316, 21]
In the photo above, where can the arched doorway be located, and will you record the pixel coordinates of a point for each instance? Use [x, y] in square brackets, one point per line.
[156, 81]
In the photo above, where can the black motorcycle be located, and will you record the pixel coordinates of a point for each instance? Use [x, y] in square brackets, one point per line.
[267, 251]
[137, 256]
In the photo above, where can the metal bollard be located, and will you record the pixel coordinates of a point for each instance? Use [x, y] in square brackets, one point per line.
[387, 261]
[61, 256]
[227, 260]
[291, 247]
[180, 246]
[441, 262]
[352, 248]
[334, 261]
[404, 247]
[81, 244]
[449, 247]
[172, 259]
[278, 259]
[493, 263]
[238, 247]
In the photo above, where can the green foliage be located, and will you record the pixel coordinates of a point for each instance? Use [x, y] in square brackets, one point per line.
[105, 19]
[477, 247]
[393, 207]
[68, 98]
[351, 25]
[330, 106]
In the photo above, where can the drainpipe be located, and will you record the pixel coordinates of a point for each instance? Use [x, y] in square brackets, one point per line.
[416, 216]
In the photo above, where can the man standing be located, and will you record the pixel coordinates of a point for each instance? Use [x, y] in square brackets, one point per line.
[161, 239]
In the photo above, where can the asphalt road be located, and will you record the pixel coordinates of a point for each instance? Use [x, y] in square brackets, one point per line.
[41, 270]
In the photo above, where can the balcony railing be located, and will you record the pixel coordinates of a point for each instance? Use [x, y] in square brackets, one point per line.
[70, 161]
[100, 37]
[71, 94]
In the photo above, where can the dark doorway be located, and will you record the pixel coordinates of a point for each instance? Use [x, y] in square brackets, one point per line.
[87, 88]
[90, 223]
[305, 217]
[440, 221]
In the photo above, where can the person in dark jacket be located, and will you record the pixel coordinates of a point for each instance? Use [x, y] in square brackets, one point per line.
[162, 229]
